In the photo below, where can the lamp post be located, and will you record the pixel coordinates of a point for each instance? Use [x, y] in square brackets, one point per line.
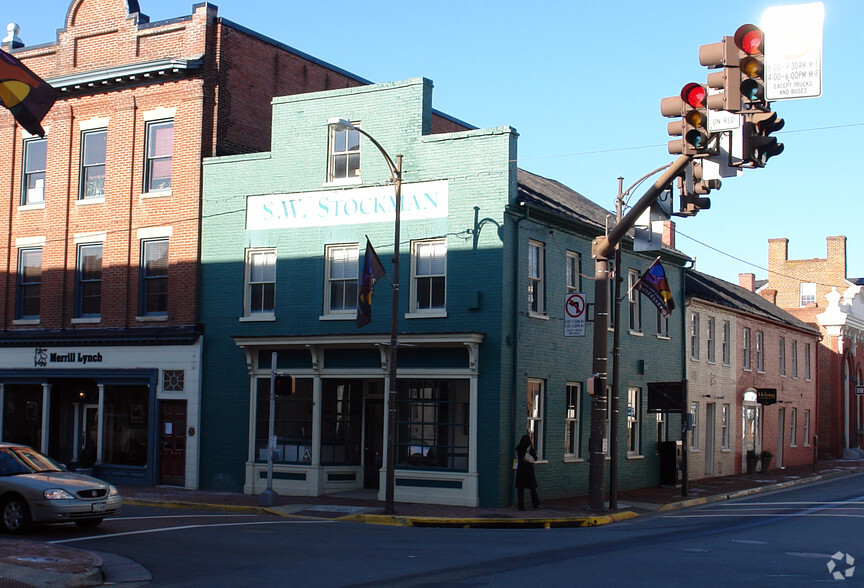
[341, 124]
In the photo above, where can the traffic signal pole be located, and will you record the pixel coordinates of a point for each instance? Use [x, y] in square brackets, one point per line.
[603, 248]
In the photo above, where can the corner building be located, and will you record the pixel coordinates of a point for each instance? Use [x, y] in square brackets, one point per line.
[489, 254]
[101, 339]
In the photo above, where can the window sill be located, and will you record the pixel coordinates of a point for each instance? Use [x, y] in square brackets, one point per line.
[338, 317]
[537, 315]
[637, 333]
[156, 194]
[664, 337]
[257, 318]
[89, 201]
[343, 182]
[426, 314]
[152, 319]
[86, 320]
[26, 321]
[573, 459]
[34, 206]
[635, 456]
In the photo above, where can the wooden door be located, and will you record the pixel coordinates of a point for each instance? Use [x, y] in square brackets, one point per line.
[172, 470]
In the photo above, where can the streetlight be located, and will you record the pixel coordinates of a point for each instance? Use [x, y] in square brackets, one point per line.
[341, 124]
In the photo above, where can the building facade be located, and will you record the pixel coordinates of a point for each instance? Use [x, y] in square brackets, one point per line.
[490, 256]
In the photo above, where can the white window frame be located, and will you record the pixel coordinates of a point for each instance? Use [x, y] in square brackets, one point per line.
[574, 272]
[536, 278]
[33, 195]
[694, 431]
[82, 281]
[694, 336]
[428, 262]
[150, 159]
[662, 325]
[760, 351]
[25, 285]
[84, 166]
[634, 421]
[794, 359]
[782, 355]
[725, 421]
[634, 302]
[727, 342]
[806, 427]
[535, 401]
[341, 262]
[572, 420]
[149, 279]
[807, 361]
[746, 344]
[344, 144]
[793, 428]
[711, 339]
[252, 279]
[806, 293]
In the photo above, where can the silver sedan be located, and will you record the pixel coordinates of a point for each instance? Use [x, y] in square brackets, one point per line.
[35, 489]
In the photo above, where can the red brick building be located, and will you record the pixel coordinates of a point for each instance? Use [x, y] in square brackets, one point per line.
[100, 229]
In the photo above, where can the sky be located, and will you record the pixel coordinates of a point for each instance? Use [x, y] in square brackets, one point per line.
[581, 82]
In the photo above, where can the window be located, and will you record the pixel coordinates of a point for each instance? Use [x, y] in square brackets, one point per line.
[35, 162]
[661, 427]
[806, 428]
[432, 428]
[260, 282]
[341, 279]
[662, 324]
[808, 293]
[154, 277]
[292, 423]
[633, 300]
[574, 272]
[634, 429]
[88, 289]
[782, 356]
[793, 428]
[341, 422]
[694, 336]
[536, 278]
[727, 342]
[795, 359]
[344, 155]
[745, 354]
[694, 431]
[534, 416]
[760, 351]
[724, 425]
[806, 361]
[711, 343]
[571, 421]
[159, 156]
[429, 275]
[29, 283]
[93, 151]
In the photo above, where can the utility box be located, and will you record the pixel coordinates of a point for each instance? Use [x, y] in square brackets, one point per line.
[671, 462]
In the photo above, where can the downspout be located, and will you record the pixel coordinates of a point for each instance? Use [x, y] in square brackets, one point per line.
[515, 331]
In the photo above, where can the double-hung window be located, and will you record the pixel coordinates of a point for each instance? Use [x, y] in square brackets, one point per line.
[694, 336]
[29, 283]
[782, 357]
[88, 287]
[94, 148]
[662, 324]
[154, 277]
[694, 431]
[536, 278]
[793, 428]
[745, 351]
[724, 425]
[807, 293]
[711, 343]
[260, 283]
[760, 351]
[341, 279]
[35, 162]
[571, 420]
[633, 302]
[574, 272]
[806, 361]
[795, 359]
[159, 156]
[727, 342]
[534, 414]
[344, 161]
[428, 276]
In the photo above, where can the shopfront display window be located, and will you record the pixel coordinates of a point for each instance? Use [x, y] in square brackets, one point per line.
[432, 428]
[292, 423]
[126, 423]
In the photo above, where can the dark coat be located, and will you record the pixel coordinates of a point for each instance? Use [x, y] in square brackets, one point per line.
[525, 471]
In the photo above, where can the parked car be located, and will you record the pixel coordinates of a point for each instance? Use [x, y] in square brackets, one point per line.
[35, 489]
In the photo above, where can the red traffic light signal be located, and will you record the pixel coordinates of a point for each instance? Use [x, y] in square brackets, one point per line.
[691, 106]
[750, 40]
[283, 385]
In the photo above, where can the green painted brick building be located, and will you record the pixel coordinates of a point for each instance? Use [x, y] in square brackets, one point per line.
[489, 253]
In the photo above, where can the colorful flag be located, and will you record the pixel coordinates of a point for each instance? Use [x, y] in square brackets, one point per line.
[25, 94]
[653, 284]
[372, 272]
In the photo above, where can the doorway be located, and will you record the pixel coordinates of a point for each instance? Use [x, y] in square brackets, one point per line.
[781, 428]
[172, 455]
[710, 409]
[373, 442]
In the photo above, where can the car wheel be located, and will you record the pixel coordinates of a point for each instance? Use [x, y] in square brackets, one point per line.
[88, 523]
[14, 515]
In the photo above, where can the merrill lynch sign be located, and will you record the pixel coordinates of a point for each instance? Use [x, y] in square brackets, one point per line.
[376, 204]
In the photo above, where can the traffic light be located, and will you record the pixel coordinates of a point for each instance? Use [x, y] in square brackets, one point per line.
[758, 144]
[693, 188]
[691, 106]
[727, 81]
[283, 385]
[749, 39]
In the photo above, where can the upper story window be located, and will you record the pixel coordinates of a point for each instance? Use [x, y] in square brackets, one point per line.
[94, 147]
[711, 343]
[29, 283]
[727, 342]
[662, 324]
[154, 277]
[35, 162]
[760, 351]
[808, 293]
[633, 302]
[536, 278]
[794, 358]
[574, 272]
[694, 336]
[344, 161]
[782, 356]
[745, 351]
[159, 156]
[806, 361]
[428, 275]
[260, 288]
[341, 278]
[88, 287]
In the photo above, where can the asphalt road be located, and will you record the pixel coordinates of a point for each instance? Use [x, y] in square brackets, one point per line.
[784, 538]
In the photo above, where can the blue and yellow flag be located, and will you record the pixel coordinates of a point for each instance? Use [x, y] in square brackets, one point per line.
[25, 94]
[653, 284]
[372, 272]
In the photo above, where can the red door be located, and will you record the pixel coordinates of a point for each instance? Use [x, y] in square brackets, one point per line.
[173, 443]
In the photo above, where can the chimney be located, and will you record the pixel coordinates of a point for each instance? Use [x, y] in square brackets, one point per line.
[747, 281]
[769, 295]
[668, 238]
[12, 40]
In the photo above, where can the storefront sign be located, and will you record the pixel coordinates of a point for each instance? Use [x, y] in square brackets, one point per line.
[766, 396]
[346, 207]
[43, 357]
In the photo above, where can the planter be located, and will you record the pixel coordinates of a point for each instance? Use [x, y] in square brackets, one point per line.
[766, 462]
[751, 465]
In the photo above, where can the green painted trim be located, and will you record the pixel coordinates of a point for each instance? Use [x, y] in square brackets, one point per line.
[415, 483]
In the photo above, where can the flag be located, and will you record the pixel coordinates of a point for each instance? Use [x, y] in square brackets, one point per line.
[653, 284]
[25, 94]
[372, 272]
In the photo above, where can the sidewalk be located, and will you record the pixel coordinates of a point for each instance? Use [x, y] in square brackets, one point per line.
[26, 563]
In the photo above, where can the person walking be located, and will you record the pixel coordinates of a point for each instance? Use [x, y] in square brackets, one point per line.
[526, 455]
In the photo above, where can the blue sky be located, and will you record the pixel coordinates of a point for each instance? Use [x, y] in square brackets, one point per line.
[581, 82]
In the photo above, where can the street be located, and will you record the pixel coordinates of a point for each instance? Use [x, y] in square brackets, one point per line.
[774, 539]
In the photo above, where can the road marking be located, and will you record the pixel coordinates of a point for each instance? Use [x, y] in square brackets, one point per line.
[186, 527]
[805, 554]
[767, 514]
[749, 541]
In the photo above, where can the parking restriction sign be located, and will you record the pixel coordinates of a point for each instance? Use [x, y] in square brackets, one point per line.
[575, 309]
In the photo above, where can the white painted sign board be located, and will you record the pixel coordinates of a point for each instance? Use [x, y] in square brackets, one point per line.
[793, 51]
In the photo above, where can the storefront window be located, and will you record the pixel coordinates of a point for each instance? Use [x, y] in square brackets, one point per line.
[127, 420]
[433, 424]
[341, 422]
[292, 423]
[22, 414]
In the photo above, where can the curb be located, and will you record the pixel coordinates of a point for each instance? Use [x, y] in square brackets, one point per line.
[196, 505]
[489, 523]
[31, 577]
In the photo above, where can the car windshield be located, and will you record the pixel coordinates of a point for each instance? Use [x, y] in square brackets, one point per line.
[23, 460]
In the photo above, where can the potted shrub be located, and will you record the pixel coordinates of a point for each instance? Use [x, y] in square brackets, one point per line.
[752, 460]
[765, 457]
